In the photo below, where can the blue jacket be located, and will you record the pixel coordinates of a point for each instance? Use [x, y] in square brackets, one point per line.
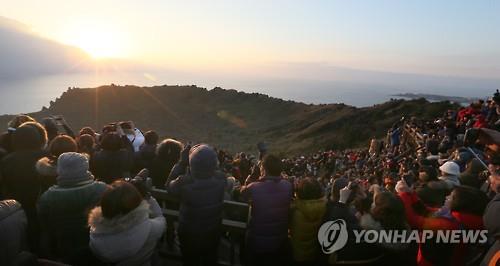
[201, 203]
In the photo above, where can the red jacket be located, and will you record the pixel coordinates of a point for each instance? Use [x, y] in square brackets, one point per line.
[480, 122]
[459, 220]
[469, 111]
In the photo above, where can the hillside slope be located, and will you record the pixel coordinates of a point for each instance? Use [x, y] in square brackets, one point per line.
[234, 120]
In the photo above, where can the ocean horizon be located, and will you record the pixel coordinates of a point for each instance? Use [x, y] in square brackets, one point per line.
[31, 94]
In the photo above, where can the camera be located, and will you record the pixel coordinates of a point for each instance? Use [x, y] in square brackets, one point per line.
[142, 183]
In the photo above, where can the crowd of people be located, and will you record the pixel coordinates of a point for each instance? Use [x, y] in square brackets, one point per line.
[84, 198]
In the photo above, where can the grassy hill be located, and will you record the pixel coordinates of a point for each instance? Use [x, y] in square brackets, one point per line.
[234, 120]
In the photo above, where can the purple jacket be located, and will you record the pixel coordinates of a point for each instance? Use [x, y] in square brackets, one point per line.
[270, 199]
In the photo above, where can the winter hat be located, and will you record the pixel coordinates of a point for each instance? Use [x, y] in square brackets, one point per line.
[450, 168]
[73, 170]
[203, 161]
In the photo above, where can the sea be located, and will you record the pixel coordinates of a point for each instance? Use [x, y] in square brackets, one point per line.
[31, 94]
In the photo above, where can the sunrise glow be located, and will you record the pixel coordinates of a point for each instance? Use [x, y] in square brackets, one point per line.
[99, 41]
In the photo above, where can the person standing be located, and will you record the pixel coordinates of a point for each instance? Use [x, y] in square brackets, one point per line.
[269, 197]
[64, 207]
[201, 194]
[20, 180]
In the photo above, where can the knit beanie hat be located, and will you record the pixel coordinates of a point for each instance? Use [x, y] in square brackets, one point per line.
[73, 170]
[203, 161]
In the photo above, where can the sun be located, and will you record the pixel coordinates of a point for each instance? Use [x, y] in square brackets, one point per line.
[99, 41]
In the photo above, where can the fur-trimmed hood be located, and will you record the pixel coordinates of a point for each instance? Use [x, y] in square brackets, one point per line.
[108, 236]
[46, 167]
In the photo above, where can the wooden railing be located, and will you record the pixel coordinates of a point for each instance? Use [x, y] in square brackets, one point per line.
[413, 138]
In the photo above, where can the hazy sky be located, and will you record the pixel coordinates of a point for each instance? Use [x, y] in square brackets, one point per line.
[432, 37]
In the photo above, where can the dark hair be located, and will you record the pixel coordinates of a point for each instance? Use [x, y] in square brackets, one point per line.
[374, 180]
[50, 126]
[429, 173]
[17, 121]
[108, 129]
[363, 205]
[169, 150]
[29, 136]
[120, 198]
[309, 188]
[87, 131]
[86, 143]
[468, 200]
[126, 125]
[151, 137]
[272, 165]
[389, 211]
[62, 144]
[111, 142]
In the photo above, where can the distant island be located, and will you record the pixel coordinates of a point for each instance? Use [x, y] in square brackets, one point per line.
[234, 120]
[437, 98]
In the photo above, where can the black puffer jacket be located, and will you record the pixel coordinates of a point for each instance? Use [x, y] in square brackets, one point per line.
[13, 225]
[20, 180]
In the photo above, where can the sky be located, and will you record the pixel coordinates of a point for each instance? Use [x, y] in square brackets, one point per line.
[445, 38]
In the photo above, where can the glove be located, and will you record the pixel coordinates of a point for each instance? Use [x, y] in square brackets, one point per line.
[402, 187]
[344, 194]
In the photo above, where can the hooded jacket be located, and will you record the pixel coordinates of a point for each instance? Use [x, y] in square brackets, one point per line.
[128, 239]
[63, 215]
[201, 194]
[270, 199]
[307, 217]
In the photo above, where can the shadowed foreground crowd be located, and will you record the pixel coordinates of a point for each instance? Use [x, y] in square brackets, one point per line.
[83, 198]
